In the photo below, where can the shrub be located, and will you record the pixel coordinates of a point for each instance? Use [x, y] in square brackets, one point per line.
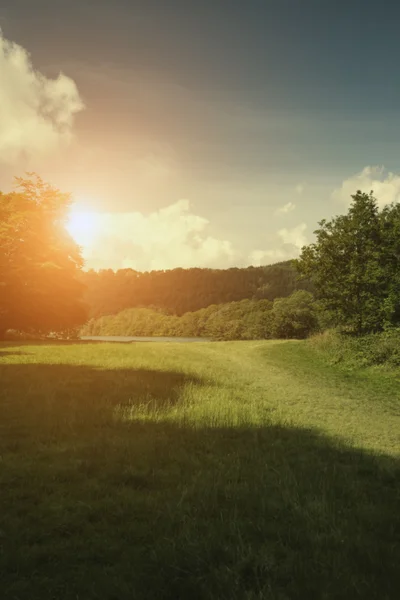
[369, 350]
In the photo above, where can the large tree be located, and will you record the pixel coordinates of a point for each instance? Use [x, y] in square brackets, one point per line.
[40, 290]
[355, 263]
[390, 261]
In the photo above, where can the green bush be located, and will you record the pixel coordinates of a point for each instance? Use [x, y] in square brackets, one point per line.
[369, 350]
[295, 316]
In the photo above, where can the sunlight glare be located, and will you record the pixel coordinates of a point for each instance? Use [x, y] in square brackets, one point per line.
[83, 226]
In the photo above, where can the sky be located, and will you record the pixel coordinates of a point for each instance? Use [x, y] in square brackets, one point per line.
[214, 133]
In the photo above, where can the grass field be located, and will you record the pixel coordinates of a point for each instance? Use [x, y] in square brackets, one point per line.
[244, 471]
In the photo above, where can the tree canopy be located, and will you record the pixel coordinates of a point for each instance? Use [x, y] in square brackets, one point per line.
[178, 291]
[40, 264]
[355, 265]
[292, 317]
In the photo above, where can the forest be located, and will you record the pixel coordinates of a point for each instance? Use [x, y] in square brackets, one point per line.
[179, 291]
[293, 317]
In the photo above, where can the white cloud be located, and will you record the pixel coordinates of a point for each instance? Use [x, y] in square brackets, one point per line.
[36, 113]
[385, 186]
[171, 237]
[294, 236]
[266, 257]
[299, 188]
[288, 245]
[286, 208]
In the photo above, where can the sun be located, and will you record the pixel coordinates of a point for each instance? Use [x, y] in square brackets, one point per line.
[83, 226]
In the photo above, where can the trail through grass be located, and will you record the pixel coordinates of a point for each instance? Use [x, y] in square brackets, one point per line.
[243, 470]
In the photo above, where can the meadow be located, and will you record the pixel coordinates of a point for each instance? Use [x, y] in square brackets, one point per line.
[231, 470]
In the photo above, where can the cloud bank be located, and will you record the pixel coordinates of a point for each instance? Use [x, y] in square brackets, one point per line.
[288, 245]
[385, 185]
[36, 113]
[169, 238]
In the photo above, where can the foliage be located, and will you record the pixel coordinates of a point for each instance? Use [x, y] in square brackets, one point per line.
[293, 317]
[355, 266]
[179, 291]
[203, 471]
[390, 261]
[375, 349]
[39, 262]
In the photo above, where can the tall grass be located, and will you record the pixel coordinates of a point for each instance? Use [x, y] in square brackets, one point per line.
[214, 471]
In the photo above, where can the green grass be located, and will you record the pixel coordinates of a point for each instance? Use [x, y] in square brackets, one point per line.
[248, 470]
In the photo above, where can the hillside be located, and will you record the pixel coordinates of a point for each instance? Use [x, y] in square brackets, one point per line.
[186, 290]
[205, 471]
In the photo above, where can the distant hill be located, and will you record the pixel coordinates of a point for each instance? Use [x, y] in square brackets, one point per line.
[179, 291]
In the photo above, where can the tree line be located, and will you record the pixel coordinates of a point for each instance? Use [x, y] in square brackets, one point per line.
[292, 317]
[178, 291]
[353, 269]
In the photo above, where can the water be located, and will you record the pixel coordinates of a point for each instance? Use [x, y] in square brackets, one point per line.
[130, 338]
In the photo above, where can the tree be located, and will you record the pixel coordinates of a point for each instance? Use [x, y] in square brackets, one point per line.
[390, 263]
[40, 264]
[295, 316]
[349, 266]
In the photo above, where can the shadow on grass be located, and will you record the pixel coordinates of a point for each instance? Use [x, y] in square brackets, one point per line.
[96, 508]
[50, 399]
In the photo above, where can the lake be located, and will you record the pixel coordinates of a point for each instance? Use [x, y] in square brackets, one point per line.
[129, 338]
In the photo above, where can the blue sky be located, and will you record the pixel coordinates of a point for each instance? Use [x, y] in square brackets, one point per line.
[230, 110]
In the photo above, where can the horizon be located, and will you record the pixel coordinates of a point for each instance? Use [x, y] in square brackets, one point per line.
[212, 138]
[275, 264]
